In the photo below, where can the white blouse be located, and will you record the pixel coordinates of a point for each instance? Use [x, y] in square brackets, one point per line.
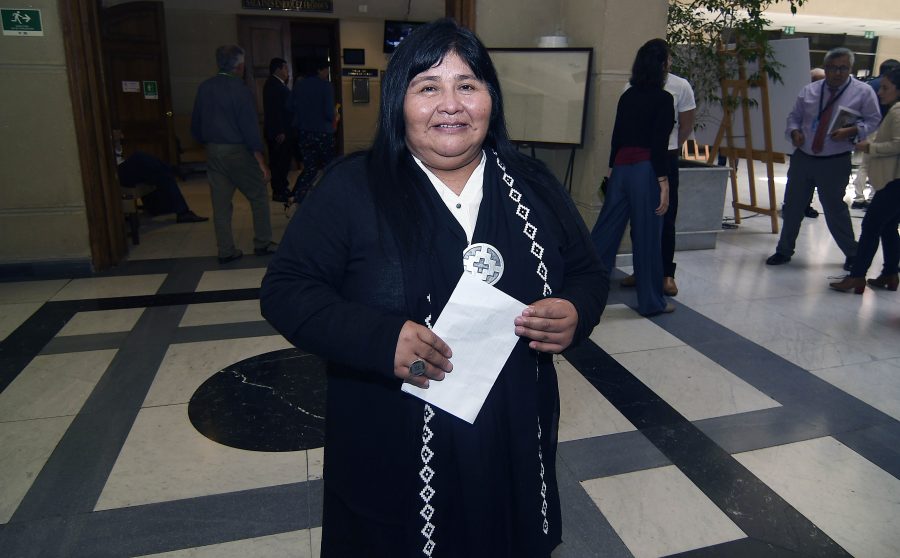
[464, 206]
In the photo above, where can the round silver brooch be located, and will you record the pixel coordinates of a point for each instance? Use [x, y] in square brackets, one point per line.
[483, 261]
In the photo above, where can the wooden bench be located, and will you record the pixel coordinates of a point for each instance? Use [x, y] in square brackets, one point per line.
[130, 197]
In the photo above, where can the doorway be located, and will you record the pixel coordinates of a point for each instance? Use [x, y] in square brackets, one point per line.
[300, 41]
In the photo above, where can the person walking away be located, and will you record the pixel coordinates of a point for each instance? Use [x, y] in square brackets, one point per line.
[638, 188]
[277, 120]
[312, 102]
[225, 120]
[685, 107]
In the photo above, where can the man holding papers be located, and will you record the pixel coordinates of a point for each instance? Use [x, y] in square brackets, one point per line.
[828, 117]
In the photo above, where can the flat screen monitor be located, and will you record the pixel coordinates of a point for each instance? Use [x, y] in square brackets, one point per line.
[396, 31]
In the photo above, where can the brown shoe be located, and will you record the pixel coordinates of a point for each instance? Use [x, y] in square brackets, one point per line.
[669, 286]
[857, 284]
[629, 281]
[889, 282]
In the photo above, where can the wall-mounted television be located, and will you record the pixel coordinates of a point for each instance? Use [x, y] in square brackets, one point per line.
[396, 31]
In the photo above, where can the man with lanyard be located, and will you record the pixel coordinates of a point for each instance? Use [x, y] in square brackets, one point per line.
[822, 157]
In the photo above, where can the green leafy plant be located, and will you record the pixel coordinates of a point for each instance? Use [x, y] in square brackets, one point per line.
[697, 29]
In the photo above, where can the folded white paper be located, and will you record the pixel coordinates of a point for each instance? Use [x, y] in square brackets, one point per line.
[477, 324]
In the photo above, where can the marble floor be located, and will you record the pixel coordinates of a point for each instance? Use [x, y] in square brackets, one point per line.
[146, 411]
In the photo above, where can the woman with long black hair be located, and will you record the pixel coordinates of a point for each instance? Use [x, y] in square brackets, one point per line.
[366, 267]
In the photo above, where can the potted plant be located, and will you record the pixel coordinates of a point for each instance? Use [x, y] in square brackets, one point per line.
[698, 29]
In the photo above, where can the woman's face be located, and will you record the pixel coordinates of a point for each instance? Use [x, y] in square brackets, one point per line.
[447, 112]
[887, 92]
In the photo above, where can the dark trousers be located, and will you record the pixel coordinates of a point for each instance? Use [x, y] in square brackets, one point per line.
[143, 167]
[881, 220]
[830, 176]
[280, 155]
[232, 167]
[668, 226]
[317, 149]
[633, 194]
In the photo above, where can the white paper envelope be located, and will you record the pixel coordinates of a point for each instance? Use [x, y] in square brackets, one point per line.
[477, 324]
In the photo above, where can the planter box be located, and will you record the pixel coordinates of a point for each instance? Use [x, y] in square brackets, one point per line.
[701, 203]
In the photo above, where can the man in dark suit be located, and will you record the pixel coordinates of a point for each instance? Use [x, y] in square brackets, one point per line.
[277, 126]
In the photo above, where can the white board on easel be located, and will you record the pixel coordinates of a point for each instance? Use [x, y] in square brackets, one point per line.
[793, 54]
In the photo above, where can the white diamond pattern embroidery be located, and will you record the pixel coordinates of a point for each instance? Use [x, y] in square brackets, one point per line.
[426, 473]
[537, 251]
[546, 525]
[530, 230]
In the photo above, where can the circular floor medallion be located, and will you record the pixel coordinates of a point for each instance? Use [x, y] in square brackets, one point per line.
[270, 402]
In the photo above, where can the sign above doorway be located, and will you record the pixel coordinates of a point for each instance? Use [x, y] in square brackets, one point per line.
[289, 5]
[22, 22]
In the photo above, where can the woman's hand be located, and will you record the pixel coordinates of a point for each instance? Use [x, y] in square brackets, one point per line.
[663, 197]
[862, 147]
[417, 342]
[550, 324]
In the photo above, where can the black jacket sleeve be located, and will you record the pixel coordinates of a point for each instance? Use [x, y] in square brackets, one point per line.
[324, 288]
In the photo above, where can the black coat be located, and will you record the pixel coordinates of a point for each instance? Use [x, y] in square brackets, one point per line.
[338, 287]
[276, 116]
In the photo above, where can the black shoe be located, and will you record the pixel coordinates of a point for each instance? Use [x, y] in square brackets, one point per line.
[848, 263]
[190, 217]
[811, 212]
[864, 204]
[270, 249]
[777, 259]
[234, 256]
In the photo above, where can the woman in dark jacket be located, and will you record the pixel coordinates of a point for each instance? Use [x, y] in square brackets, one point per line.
[366, 268]
[638, 188]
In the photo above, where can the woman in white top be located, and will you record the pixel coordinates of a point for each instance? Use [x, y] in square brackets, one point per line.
[882, 217]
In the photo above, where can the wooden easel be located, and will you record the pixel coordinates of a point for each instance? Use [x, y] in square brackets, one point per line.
[740, 88]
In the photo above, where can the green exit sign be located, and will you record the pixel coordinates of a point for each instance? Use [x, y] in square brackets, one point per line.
[21, 22]
[789, 30]
[870, 34]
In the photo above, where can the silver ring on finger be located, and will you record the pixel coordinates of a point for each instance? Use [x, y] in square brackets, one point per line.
[417, 368]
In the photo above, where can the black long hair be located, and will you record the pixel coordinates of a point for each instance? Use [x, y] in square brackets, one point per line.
[388, 159]
[893, 76]
[650, 65]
